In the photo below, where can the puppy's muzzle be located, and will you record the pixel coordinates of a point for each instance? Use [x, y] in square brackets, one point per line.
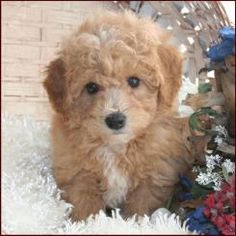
[115, 120]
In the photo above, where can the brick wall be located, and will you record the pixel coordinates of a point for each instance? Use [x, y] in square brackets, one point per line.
[31, 34]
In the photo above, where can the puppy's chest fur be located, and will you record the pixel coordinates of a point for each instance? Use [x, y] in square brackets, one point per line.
[117, 181]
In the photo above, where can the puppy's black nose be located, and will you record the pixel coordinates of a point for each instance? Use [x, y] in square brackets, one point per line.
[115, 120]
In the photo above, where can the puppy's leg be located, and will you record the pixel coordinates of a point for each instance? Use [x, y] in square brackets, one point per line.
[86, 204]
[143, 200]
[85, 195]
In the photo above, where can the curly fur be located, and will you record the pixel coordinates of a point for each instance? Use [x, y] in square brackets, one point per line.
[135, 169]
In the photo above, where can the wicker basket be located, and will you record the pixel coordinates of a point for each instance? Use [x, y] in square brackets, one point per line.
[193, 25]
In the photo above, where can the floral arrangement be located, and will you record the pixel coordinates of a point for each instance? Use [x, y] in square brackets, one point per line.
[217, 167]
[207, 196]
[208, 211]
[216, 214]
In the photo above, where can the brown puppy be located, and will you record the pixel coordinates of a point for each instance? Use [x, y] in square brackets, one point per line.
[115, 143]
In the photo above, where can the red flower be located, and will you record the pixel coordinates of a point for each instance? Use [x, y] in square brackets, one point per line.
[230, 219]
[227, 231]
[232, 202]
[210, 201]
[219, 205]
[225, 223]
[219, 221]
[220, 208]
[207, 212]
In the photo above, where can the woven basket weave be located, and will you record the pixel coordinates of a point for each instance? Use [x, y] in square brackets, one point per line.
[193, 25]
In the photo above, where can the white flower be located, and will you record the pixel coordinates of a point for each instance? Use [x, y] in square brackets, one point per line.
[216, 159]
[203, 178]
[195, 169]
[219, 140]
[210, 166]
[217, 186]
[217, 180]
[222, 134]
[212, 162]
[210, 177]
[222, 130]
[229, 166]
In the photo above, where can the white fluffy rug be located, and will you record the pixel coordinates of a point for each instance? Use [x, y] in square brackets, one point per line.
[31, 201]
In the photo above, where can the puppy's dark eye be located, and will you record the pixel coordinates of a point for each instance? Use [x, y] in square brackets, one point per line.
[133, 82]
[92, 88]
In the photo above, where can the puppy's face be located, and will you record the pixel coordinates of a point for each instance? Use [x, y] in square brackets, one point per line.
[113, 76]
[113, 106]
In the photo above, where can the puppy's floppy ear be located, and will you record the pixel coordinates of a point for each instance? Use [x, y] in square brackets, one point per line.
[55, 84]
[171, 70]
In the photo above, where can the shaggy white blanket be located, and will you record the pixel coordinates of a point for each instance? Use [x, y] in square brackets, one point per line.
[31, 201]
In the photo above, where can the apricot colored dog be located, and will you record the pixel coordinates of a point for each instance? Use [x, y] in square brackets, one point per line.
[115, 141]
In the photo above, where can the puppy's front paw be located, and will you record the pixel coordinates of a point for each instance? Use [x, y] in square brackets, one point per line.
[137, 211]
[86, 205]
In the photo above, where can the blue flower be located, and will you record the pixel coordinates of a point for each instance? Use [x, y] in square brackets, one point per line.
[198, 213]
[197, 221]
[185, 182]
[185, 196]
[219, 51]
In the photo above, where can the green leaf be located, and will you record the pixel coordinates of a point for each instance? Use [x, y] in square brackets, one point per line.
[199, 191]
[208, 186]
[193, 122]
[196, 125]
[209, 111]
[204, 88]
[170, 201]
